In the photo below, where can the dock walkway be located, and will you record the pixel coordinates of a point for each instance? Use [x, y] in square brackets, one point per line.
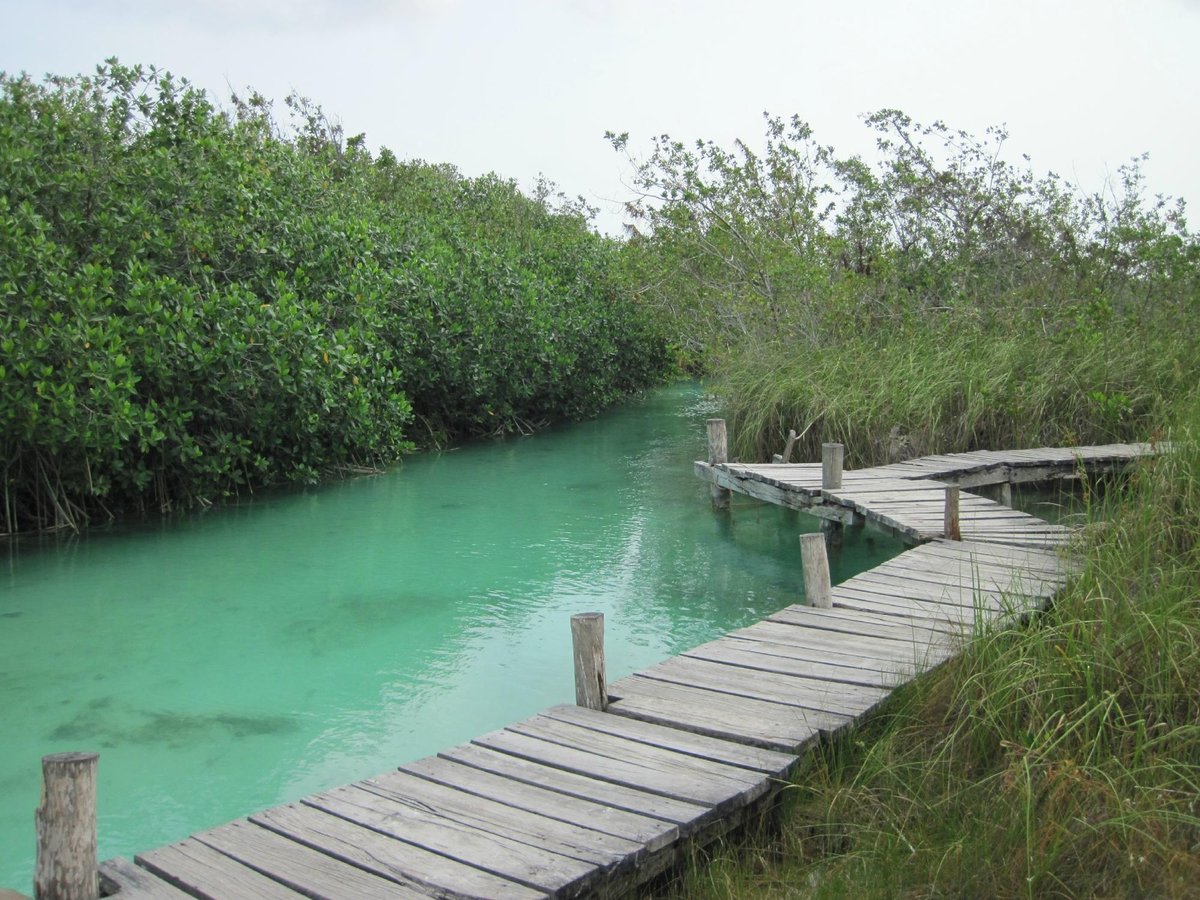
[576, 802]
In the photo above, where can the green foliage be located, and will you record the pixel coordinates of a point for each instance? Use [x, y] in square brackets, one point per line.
[938, 299]
[198, 301]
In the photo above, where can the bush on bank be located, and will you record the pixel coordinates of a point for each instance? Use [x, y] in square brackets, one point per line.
[196, 301]
[939, 298]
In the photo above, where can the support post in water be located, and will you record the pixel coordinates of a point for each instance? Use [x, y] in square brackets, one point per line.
[587, 639]
[951, 528]
[718, 452]
[1006, 493]
[66, 829]
[831, 466]
[815, 560]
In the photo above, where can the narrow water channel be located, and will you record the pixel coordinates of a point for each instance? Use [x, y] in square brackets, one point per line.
[232, 660]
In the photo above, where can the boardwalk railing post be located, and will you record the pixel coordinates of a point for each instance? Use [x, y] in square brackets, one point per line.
[951, 527]
[815, 560]
[718, 452]
[1006, 493]
[66, 867]
[790, 445]
[831, 466]
[587, 639]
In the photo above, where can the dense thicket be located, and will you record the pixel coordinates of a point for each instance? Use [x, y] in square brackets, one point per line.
[197, 300]
[937, 298]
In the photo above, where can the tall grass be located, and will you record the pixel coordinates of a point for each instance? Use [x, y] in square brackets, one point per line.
[1058, 759]
[953, 386]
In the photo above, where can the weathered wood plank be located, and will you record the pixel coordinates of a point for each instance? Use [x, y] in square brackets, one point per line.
[400, 861]
[511, 859]
[789, 690]
[918, 634]
[756, 722]
[486, 814]
[122, 879]
[615, 746]
[736, 653]
[297, 866]
[768, 762]
[651, 832]
[204, 872]
[848, 649]
[669, 779]
[571, 784]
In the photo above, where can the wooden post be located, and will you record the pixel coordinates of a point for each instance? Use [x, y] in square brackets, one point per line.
[831, 466]
[951, 528]
[587, 639]
[66, 829]
[816, 570]
[790, 445]
[1006, 493]
[718, 452]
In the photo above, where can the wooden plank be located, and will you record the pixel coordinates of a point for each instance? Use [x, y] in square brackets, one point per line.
[845, 647]
[652, 833]
[613, 746]
[299, 867]
[396, 860]
[756, 722]
[486, 814]
[977, 578]
[670, 780]
[766, 761]
[946, 553]
[203, 872]
[511, 859]
[927, 598]
[964, 619]
[917, 634]
[788, 690]
[1032, 560]
[122, 879]
[944, 558]
[913, 584]
[570, 784]
[780, 662]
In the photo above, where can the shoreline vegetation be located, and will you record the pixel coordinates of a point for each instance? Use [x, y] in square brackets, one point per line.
[200, 301]
[197, 301]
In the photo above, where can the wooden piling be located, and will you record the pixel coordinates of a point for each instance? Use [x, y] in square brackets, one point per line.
[951, 528]
[831, 466]
[1006, 494]
[718, 452]
[587, 639]
[815, 560]
[66, 867]
[790, 445]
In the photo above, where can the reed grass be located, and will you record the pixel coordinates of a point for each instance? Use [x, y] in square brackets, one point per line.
[890, 394]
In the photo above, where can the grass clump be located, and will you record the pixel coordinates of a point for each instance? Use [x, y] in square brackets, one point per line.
[950, 386]
[1057, 759]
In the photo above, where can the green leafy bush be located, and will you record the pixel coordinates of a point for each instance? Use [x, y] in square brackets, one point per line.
[938, 299]
[198, 301]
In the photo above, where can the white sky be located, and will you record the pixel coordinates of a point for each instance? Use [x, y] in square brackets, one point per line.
[526, 86]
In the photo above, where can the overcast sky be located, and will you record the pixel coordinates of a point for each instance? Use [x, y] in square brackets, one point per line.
[526, 86]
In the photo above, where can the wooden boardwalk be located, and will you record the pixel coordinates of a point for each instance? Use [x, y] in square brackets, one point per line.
[908, 498]
[577, 802]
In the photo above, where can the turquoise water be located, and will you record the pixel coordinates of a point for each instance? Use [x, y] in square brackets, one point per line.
[235, 659]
